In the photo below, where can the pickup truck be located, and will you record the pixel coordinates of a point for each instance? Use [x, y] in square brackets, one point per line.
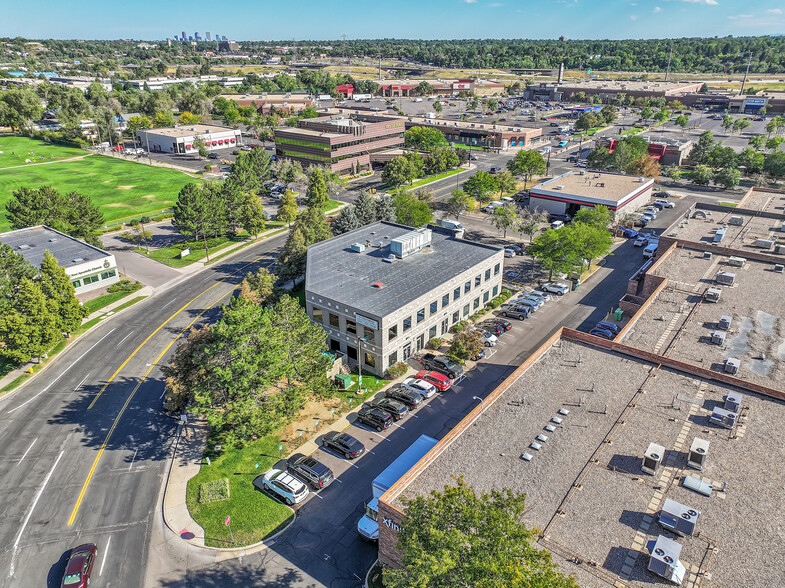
[441, 363]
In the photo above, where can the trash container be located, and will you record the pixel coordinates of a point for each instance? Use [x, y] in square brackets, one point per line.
[618, 314]
[343, 381]
[575, 284]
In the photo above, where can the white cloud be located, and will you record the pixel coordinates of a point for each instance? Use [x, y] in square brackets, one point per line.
[634, 17]
[495, 4]
[741, 16]
[704, 2]
[774, 11]
[470, 1]
[657, 9]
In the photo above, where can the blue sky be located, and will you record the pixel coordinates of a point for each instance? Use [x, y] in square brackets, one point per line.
[421, 19]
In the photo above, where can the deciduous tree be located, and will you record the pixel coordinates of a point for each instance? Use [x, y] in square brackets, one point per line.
[410, 211]
[287, 208]
[481, 186]
[424, 138]
[458, 203]
[56, 287]
[526, 164]
[505, 217]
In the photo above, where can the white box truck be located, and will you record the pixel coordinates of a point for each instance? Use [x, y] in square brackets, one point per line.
[324, 97]
[361, 97]
[368, 526]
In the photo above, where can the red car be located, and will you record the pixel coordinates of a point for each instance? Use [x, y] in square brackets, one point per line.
[80, 566]
[441, 381]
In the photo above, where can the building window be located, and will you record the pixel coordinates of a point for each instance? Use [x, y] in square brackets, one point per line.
[445, 300]
[476, 303]
[351, 327]
[76, 284]
[485, 297]
[487, 274]
[434, 306]
[455, 317]
[495, 290]
[369, 335]
[477, 281]
[496, 269]
[432, 332]
[318, 315]
[109, 274]
[90, 280]
[467, 287]
[407, 323]
[466, 311]
[456, 294]
[420, 315]
[335, 321]
[370, 360]
[392, 332]
[392, 359]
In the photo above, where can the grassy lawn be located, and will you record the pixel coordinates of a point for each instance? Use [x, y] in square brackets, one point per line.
[15, 151]
[331, 205]
[255, 515]
[105, 300]
[171, 255]
[270, 225]
[120, 188]
[428, 180]
[731, 204]
[470, 147]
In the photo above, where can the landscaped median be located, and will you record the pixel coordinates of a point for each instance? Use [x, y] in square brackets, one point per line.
[428, 180]
[256, 515]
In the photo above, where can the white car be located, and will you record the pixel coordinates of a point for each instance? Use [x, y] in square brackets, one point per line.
[509, 253]
[489, 339]
[425, 388]
[283, 484]
[541, 294]
[665, 203]
[558, 288]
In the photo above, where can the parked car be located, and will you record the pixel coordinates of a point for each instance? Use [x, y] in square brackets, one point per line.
[541, 294]
[214, 155]
[558, 288]
[641, 222]
[506, 325]
[629, 233]
[515, 312]
[519, 249]
[425, 388]
[283, 484]
[495, 169]
[649, 216]
[310, 470]
[492, 327]
[608, 326]
[641, 241]
[489, 339]
[80, 566]
[375, 418]
[530, 300]
[602, 333]
[405, 396]
[344, 444]
[509, 253]
[582, 164]
[246, 148]
[397, 410]
[664, 203]
[532, 305]
[440, 381]
[442, 364]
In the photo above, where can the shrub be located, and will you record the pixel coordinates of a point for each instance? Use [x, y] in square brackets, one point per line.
[459, 326]
[396, 370]
[124, 286]
[145, 220]
[133, 222]
[214, 491]
[435, 343]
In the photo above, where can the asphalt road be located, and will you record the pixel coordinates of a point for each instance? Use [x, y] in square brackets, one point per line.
[84, 444]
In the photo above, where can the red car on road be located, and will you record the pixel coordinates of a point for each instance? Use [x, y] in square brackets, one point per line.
[441, 381]
[80, 566]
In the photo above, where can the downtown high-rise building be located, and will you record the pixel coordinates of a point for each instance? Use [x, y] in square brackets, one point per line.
[184, 36]
[207, 36]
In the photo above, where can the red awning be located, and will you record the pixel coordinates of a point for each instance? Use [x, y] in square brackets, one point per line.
[220, 141]
[187, 146]
[232, 140]
[215, 142]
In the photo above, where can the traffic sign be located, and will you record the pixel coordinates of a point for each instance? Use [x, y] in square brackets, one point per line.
[228, 520]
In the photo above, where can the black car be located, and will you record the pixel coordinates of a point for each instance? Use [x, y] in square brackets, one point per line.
[615, 329]
[506, 325]
[397, 410]
[374, 417]
[309, 470]
[442, 364]
[410, 398]
[602, 333]
[493, 327]
[344, 444]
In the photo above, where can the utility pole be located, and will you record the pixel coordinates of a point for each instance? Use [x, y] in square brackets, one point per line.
[668, 71]
[746, 74]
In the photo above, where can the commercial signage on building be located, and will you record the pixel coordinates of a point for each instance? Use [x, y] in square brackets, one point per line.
[756, 101]
[366, 322]
[391, 524]
[461, 86]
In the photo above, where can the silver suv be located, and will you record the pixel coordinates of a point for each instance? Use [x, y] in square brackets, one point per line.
[282, 484]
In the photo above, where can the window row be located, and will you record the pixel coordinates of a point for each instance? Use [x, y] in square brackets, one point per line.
[93, 279]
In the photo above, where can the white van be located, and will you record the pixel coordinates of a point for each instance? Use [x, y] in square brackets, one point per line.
[648, 251]
[450, 224]
[557, 224]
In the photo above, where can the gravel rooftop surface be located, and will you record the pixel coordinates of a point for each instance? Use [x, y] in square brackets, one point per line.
[741, 237]
[589, 468]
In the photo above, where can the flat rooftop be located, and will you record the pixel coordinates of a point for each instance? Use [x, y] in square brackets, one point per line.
[31, 243]
[584, 487]
[594, 185]
[475, 126]
[281, 97]
[741, 237]
[188, 130]
[764, 200]
[335, 271]
[679, 324]
[633, 85]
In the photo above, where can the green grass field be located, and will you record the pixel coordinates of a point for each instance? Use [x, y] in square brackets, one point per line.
[120, 188]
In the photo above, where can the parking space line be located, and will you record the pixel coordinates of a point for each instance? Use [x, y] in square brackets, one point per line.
[106, 553]
[337, 480]
[317, 496]
[26, 452]
[399, 426]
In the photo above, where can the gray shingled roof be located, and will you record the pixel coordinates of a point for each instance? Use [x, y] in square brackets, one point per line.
[64, 248]
[335, 271]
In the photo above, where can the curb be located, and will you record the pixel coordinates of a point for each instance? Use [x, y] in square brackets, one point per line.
[368, 573]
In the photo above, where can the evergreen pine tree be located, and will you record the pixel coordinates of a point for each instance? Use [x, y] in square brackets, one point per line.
[385, 209]
[365, 208]
[316, 195]
[346, 221]
[56, 286]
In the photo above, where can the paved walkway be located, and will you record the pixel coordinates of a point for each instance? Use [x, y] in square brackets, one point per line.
[32, 163]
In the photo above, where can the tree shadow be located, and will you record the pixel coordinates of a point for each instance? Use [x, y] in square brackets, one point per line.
[56, 572]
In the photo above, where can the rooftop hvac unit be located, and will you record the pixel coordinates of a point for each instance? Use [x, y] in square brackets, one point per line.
[707, 255]
[719, 235]
[718, 337]
[678, 518]
[736, 261]
[763, 243]
[733, 401]
[697, 455]
[410, 242]
[358, 247]
[652, 458]
[779, 268]
[559, 187]
[780, 249]
[698, 485]
[736, 220]
[664, 559]
[732, 365]
[724, 322]
[712, 294]
[725, 278]
[723, 418]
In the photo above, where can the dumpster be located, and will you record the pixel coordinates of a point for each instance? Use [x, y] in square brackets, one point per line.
[618, 314]
[343, 381]
[575, 284]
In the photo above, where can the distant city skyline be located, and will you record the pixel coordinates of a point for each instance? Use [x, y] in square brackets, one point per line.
[435, 19]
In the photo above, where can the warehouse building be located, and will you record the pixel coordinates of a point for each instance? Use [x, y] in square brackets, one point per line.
[281, 102]
[88, 267]
[628, 479]
[182, 138]
[571, 191]
[498, 136]
[383, 291]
